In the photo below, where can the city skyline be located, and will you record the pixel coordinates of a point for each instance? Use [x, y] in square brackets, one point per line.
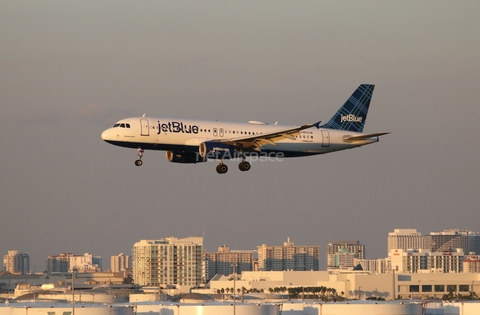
[71, 70]
[330, 248]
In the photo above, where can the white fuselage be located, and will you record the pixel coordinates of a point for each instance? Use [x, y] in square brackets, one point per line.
[186, 135]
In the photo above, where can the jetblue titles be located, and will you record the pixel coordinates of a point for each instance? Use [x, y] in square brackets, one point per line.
[177, 127]
[350, 118]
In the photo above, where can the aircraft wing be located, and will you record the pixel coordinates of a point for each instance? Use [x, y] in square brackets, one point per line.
[257, 141]
[365, 136]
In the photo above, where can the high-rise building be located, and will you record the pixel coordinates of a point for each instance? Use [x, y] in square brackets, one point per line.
[120, 263]
[288, 257]
[169, 261]
[341, 254]
[66, 262]
[405, 239]
[16, 261]
[448, 240]
[224, 260]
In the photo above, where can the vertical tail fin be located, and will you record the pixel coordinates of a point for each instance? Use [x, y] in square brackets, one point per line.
[353, 114]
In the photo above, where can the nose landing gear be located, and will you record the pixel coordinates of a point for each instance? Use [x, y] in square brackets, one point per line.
[140, 154]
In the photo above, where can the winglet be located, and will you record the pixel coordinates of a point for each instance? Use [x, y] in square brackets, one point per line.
[317, 124]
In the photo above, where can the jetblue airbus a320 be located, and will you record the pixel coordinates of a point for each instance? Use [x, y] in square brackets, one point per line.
[194, 141]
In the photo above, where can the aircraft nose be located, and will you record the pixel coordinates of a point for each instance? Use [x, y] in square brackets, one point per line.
[106, 135]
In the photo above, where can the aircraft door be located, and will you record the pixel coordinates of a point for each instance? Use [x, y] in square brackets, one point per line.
[144, 131]
[325, 138]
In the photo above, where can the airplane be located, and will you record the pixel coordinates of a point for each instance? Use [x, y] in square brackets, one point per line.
[195, 141]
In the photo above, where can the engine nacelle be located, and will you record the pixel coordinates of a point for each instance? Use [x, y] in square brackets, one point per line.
[184, 157]
[217, 150]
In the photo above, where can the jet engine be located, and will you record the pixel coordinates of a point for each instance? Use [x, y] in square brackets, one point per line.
[184, 157]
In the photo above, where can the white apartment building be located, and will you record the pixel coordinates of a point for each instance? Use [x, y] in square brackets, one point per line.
[288, 257]
[120, 263]
[168, 261]
[424, 260]
[17, 261]
[405, 239]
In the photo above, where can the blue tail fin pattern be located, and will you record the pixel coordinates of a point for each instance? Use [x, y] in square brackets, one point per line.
[353, 114]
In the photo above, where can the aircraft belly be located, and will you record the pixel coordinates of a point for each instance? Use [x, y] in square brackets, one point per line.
[294, 147]
[302, 149]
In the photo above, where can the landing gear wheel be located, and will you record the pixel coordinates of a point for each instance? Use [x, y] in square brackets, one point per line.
[140, 154]
[244, 166]
[222, 168]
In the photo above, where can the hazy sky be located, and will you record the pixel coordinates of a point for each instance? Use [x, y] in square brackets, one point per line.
[69, 70]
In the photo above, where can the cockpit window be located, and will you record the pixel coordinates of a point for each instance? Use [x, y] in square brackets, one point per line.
[121, 125]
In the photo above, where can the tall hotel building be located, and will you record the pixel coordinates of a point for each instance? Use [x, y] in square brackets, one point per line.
[405, 239]
[223, 262]
[288, 257]
[169, 261]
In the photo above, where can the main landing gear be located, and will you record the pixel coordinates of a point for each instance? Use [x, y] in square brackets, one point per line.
[140, 154]
[243, 166]
[222, 168]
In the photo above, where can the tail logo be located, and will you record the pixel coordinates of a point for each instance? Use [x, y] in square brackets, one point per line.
[350, 118]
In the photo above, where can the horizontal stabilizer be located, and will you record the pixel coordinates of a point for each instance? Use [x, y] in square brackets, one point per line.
[365, 136]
